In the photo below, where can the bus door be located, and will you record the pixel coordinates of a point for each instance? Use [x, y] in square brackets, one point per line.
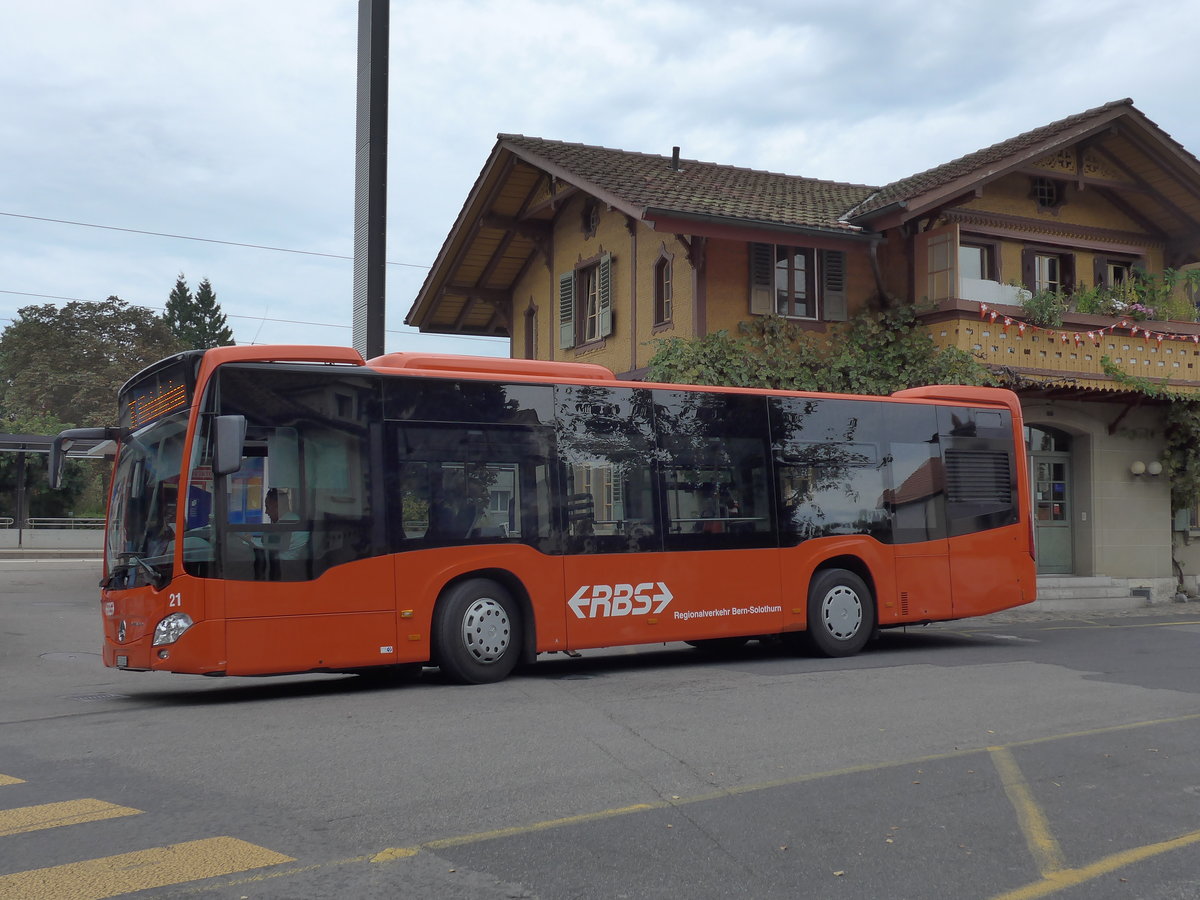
[307, 584]
[915, 500]
[669, 530]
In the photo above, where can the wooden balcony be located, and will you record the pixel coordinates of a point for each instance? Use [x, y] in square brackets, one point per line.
[999, 336]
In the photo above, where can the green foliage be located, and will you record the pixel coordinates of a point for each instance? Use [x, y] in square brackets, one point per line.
[1170, 296]
[66, 364]
[1046, 308]
[179, 304]
[82, 490]
[197, 320]
[61, 368]
[1182, 462]
[875, 353]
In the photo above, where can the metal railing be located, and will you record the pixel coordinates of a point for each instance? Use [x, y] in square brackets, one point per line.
[71, 522]
[6, 521]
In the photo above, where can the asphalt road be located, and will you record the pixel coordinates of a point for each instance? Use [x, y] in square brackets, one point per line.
[1017, 757]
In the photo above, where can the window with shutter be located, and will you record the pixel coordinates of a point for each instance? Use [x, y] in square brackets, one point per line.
[662, 290]
[566, 310]
[604, 296]
[762, 263]
[586, 303]
[798, 282]
[833, 285]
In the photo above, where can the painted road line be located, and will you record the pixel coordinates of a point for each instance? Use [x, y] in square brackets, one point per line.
[112, 876]
[54, 815]
[1034, 825]
[8, 779]
[1060, 881]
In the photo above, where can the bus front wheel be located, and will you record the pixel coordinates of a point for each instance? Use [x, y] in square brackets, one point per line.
[841, 613]
[476, 632]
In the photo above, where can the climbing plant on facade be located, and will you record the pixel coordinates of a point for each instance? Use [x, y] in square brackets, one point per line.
[874, 353]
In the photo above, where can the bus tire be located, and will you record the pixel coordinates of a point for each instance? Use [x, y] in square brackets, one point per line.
[477, 632]
[841, 613]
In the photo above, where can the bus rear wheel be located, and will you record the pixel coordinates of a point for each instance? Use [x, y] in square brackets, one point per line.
[841, 613]
[477, 632]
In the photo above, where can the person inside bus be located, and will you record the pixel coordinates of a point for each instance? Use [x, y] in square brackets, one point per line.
[162, 537]
[286, 544]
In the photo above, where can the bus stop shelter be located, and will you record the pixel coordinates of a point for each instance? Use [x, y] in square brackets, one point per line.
[23, 445]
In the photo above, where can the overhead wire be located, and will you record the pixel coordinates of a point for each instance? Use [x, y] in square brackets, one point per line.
[189, 237]
[185, 237]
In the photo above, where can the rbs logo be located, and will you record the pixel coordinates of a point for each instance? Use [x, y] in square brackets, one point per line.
[594, 600]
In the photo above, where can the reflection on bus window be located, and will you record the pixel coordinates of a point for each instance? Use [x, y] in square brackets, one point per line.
[606, 443]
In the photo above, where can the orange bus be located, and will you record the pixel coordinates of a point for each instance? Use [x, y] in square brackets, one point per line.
[297, 509]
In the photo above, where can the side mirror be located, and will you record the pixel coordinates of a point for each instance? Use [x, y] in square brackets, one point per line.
[230, 441]
[61, 444]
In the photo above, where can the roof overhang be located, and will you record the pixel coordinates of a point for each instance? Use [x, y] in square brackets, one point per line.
[728, 227]
[1157, 181]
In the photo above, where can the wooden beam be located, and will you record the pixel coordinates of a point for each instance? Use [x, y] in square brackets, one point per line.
[1189, 180]
[1149, 226]
[554, 200]
[532, 229]
[1116, 163]
[472, 292]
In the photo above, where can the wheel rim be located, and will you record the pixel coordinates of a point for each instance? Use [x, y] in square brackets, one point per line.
[486, 630]
[842, 612]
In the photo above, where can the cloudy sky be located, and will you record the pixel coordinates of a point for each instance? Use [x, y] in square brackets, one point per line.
[144, 138]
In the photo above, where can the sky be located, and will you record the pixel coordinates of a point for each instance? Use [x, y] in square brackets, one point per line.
[142, 139]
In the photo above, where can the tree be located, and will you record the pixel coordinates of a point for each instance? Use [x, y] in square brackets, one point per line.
[67, 364]
[197, 320]
[178, 313]
[875, 353]
[212, 329]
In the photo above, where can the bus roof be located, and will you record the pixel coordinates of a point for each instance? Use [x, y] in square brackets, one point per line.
[483, 367]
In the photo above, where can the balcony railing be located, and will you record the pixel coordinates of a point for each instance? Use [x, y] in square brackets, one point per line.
[1000, 337]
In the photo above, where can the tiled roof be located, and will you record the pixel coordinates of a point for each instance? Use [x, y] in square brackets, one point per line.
[641, 180]
[972, 162]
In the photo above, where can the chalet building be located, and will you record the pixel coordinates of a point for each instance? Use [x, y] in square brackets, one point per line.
[584, 253]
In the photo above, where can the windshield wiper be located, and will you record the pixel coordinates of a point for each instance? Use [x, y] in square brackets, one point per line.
[132, 559]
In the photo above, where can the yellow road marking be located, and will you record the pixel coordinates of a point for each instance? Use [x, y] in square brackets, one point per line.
[1058, 880]
[111, 876]
[1034, 825]
[1107, 729]
[1066, 878]
[8, 779]
[405, 852]
[54, 815]
[1106, 625]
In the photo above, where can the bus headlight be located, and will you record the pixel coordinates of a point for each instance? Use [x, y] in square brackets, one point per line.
[171, 629]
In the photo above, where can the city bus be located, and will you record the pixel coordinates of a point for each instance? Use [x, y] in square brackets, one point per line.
[298, 509]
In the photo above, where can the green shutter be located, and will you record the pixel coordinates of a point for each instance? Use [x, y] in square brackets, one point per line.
[605, 295]
[762, 273]
[833, 285]
[566, 310]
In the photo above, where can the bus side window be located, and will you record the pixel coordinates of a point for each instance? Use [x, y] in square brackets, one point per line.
[715, 471]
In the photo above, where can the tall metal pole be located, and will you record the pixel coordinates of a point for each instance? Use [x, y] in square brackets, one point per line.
[370, 178]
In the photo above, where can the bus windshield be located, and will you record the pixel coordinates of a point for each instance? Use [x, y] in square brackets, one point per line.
[141, 540]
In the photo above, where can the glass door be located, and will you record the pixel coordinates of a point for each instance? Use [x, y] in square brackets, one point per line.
[1052, 513]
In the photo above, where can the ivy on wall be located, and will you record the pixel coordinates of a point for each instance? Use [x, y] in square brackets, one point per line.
[874, 353]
